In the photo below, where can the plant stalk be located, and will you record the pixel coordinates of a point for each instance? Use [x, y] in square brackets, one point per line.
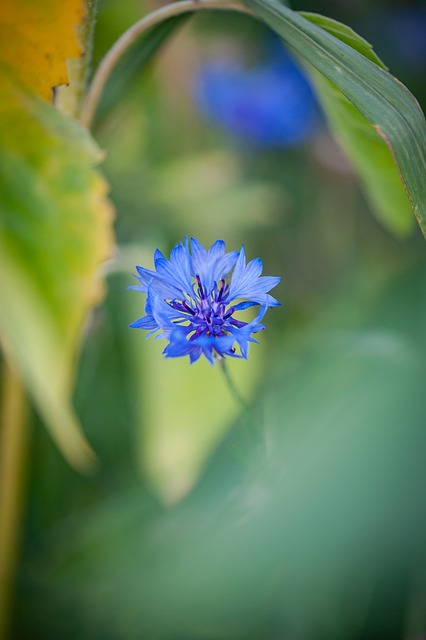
[133, 33]
[250, 430]
[13, 457]
[232, 387]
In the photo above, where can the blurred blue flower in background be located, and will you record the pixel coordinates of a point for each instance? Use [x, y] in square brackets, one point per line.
[270, 105]
[191, 300]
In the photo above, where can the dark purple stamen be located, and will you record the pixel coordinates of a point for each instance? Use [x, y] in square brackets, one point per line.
[181, 306]
[201, 289]
[221, 290]
[197, 333]
[230, 312]
[209, 316]
[187, 307]
[237, 323]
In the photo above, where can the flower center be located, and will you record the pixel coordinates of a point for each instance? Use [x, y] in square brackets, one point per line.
[205, 313]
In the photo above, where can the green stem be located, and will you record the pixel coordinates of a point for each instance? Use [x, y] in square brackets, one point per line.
[232, 387]
[133, 33]
[250, 430]
[13, 450]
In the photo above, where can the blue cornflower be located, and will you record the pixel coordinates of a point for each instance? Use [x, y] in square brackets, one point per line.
[271, 105]
[191, 300]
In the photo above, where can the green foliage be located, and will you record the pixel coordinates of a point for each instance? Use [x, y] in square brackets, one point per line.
[364, 146]
[317, 530]
[369, 155]
[321, 539]
[55, 230]
[345, 34]
[347, 62]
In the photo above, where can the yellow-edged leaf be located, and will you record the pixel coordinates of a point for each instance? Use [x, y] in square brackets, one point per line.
[37, 38]
[55, 230]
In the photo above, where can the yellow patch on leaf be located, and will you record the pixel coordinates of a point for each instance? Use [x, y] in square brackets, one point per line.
[55, 232]
[37, 38]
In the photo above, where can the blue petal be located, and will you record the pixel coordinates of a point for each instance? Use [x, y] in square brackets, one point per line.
[207, 346]
[222, 346]
[225, 264]
[173, 273]
[181, 263]
[211, 265]
[247, 283]
[244, 305]
[178, 346]
[217, 250]
[238, 273]
[158, 255]
[199, 255]
[171, 277]
[163, 313]
[268, 282]
[202, 265]
[195, 355]
[138, 287]
[243, 336]
[253, 269]
[162, 284]
[145, 276]
[146, 322]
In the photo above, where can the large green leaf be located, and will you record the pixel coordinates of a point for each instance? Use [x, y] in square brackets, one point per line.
[366, 149]
[347, 62]
[369, 155]
[55, 230]
[345, 34]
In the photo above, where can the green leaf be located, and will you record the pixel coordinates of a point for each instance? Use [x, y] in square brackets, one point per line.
[369, 155]
[366, 149]
[37, 40]
[345, 34]
[348, 63]
[55, 231]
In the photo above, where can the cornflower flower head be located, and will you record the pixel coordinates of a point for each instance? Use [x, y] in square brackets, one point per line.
[192, 300]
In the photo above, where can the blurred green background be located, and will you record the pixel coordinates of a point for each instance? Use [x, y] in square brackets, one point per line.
[188, 529]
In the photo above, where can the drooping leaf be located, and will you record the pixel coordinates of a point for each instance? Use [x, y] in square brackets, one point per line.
[347, 62]
[55, 231]
[345, 34]
[37, 38]
[369, 155]
[368, 152]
